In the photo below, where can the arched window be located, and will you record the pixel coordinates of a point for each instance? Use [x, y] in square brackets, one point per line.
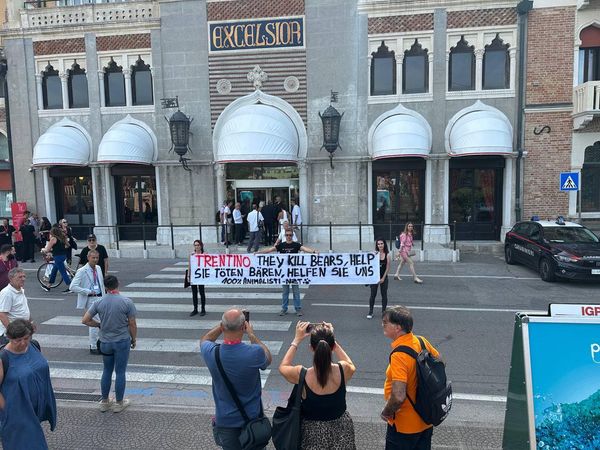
[141, 83]
[383, 71]
[415, 70]
[114, 85]
[496, 65]
[51, 88]
[462, 67]
[589, 54]
[590, 179]
[78, 87]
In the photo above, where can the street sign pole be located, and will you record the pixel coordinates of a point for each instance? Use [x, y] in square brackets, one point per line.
[579, 200]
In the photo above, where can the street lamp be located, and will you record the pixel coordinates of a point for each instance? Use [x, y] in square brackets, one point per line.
[331, 119]
[179, 128]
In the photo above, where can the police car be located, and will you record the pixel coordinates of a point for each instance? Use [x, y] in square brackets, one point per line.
[554, 248]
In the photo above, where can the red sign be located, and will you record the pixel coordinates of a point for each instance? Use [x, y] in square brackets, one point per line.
[18, 217]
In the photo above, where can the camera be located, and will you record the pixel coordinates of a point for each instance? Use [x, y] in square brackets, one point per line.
[311, 326]
[246, 315]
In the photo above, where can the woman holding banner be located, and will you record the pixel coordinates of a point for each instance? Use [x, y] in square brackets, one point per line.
[384, 267]
[198, 250]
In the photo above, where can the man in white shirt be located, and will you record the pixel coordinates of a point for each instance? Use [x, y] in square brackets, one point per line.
[255, 219]
[13, 303]
[88, 284]
[296, 215]
[238, 220]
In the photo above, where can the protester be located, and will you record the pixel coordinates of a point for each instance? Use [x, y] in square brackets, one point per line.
[241, 363]
[6, 264]
[255, 219]
[198, 250]
[88, 284]
[289, 246]
[26, 394]
[13, 303]
[238, 224]
[28, 234]
[92, 244]
[384, 267]
[117, 336]
[6, 232]
[58, 244]
[406, 429]
[405, 251]
[326, 424]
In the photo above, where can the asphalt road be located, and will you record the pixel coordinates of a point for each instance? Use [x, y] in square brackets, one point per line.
[466, 310]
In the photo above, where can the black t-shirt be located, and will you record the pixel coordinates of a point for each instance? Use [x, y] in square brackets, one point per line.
[6, 234]
[284, 247]
[102, 253]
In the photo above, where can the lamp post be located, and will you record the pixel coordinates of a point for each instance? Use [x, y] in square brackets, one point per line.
[331, 119]
[179, 128]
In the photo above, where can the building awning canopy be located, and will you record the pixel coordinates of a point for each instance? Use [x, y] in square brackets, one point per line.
[63, 144]
[400, 132]
[258, 132]
[479, 130]
[127, 141]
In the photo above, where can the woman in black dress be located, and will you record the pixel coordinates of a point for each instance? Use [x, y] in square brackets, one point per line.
[384, 267]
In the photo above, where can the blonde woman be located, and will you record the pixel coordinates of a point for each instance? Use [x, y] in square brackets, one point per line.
[405, 253]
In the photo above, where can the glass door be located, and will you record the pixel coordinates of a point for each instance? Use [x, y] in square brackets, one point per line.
[74, 201]
[475, 203]
[136, 205]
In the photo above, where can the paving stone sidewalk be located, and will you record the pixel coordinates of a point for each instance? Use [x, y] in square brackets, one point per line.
[82, 426]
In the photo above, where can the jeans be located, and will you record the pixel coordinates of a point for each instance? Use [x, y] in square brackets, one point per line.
[59, 266]
[116, 357]
[384, 300]
[253, 241]
[286, 295]
[402, 441]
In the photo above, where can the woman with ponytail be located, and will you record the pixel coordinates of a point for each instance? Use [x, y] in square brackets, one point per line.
[325, 421]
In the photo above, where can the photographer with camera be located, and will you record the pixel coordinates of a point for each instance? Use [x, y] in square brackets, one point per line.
[325, 421]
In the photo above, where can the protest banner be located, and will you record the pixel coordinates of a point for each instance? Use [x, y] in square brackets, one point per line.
[279, 269]
[18, 217]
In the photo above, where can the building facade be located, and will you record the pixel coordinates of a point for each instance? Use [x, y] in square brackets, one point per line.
[431, 129]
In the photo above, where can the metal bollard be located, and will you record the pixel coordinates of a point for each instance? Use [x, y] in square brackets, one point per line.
[200, 231]
[330, 238]
[360, 236]
[172, 238]
[144, 234]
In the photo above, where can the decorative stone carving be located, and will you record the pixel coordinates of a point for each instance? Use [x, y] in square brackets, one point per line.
[291, 84]
[223, 86]
[257, 76]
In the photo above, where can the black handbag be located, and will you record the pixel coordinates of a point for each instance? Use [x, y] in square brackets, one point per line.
[286, 421]
[186, 279]
[256, 433]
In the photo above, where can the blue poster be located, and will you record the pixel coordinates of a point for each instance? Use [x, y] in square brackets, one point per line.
[565, 374]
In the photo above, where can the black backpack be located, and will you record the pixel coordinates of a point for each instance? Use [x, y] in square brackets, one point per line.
[434, 391]
[4, 356]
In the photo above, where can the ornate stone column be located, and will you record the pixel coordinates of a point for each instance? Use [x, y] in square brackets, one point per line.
[127, 75]
[221, 187]
[303, 180]
[479, 69]
[64, 84]
[512, 53]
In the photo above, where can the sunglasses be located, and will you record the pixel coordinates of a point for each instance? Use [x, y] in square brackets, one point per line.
[289, 234]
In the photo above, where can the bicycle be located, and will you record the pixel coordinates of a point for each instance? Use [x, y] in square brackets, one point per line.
[43, 272]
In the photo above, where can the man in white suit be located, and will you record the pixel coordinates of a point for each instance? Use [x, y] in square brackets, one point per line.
[88, 284]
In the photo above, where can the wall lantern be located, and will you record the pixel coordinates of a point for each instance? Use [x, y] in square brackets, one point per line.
[179, 128]
[331, 119]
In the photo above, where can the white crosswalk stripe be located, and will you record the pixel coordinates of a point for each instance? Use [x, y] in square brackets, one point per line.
[140, 373]
[262, 325]
[171, 307]
[213, 295]
[142, 344]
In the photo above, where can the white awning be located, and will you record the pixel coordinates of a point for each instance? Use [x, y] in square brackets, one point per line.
[400, 132]
[65, 144]
[258, 132]
[479, 130]
[128, 141]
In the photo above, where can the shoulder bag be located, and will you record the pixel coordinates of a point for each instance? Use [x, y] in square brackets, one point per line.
[287, 421]
[256, 433]
[186, 279]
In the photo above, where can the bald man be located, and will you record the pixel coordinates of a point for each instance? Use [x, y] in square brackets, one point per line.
[242, 364]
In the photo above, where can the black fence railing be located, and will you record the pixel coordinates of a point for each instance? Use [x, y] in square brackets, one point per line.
[146, 232]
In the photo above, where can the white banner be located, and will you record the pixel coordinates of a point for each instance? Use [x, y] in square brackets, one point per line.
[278, 268]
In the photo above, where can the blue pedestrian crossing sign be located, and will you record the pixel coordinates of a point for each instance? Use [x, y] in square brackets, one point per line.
[569, 181]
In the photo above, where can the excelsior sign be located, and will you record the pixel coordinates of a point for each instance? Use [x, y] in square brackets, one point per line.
[256, 34]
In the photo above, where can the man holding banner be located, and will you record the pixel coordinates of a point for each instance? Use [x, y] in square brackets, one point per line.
[289, 246]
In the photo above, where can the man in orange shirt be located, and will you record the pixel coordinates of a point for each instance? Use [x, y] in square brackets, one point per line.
[406, 430]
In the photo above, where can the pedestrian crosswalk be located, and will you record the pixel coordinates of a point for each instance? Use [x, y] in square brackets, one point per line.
[167, 348]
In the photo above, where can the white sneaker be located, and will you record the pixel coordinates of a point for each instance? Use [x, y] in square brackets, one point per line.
[105, 405]
[369, 316]
[118, 407]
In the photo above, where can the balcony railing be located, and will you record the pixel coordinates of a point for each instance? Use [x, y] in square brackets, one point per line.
[47, 13]
[586, 103]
